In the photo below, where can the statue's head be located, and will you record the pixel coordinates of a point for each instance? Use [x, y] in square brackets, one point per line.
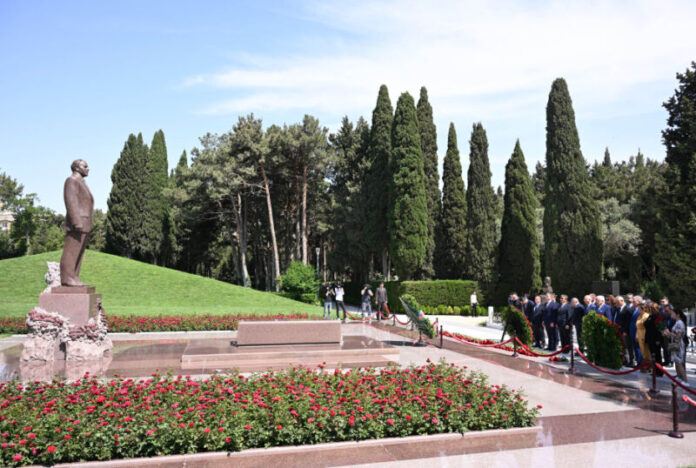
[547, 280]
[80, 166]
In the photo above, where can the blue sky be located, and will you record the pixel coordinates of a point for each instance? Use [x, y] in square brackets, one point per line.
[78, 77]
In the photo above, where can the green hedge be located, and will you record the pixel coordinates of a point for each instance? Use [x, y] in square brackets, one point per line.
[464, 310]
[601, 340]
[449, 293]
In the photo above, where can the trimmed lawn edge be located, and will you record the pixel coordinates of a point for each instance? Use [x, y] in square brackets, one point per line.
[344, 453]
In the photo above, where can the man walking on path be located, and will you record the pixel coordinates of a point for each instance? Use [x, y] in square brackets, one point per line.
[623, 320]
[537, 318]
[381, 299]
[550, 316]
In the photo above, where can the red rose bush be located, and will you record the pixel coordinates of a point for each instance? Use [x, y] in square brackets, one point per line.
[59, 422]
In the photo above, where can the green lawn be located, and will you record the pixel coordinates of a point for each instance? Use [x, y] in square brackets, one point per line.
[136, 288]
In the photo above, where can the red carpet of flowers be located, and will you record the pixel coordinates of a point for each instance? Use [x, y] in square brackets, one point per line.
[47, 423]
[133, 324]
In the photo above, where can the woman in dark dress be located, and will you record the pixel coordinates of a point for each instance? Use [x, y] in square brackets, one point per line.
[653, 334]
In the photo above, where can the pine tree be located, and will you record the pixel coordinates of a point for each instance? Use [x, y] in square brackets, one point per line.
[124, 219]
[572, 222]
[408, 208]
[518, 254]
[155, 207]
[428, 137]
[675, 254]
[480, 212]
[379, 179]
[451, 232]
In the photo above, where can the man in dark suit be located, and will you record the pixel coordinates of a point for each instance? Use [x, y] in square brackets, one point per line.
[537, 319]
[578, 314]
[527, 308]
[623, 320]
[550, 317]
[564, 321]
[79, 205]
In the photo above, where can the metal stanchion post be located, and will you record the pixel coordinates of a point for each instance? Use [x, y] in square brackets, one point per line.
[654, 391]
[514, 344]
[393, 320]
[572, 360]
[440, 336]
[675, 415]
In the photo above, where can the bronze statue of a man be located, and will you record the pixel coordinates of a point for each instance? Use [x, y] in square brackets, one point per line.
[79, 205]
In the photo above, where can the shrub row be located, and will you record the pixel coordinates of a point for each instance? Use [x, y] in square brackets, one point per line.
[456, 310]
[57, 422]
[428, 293]
[134, 323]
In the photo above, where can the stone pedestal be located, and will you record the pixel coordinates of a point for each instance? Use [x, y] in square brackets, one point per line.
[77, 303]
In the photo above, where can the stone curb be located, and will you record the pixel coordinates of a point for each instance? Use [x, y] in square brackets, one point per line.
[277, 456]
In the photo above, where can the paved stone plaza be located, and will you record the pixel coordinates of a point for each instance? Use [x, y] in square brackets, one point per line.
[586, 419]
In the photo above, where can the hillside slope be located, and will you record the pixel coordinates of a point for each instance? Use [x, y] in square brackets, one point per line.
[136, 288]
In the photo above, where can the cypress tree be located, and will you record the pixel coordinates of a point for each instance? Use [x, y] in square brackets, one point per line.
[408, 209]
[451, 232]
[518, 253]
[124, 219]
[675, 253]
[155, 209]
[379, 178]
[572, 223]
[428, 137]
[480, 212]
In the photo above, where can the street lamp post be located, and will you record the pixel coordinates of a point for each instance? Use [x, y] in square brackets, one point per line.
[318, 251]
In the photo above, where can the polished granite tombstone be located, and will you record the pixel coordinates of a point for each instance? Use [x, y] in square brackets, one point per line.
[142, 358]
[354, 351]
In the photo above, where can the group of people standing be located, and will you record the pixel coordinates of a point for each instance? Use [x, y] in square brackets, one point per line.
[649, 331]
[333, 295]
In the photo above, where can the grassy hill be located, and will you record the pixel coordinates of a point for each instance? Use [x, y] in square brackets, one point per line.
[135, 288]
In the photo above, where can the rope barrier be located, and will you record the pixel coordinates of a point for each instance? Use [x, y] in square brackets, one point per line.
[675, 380]
[688, 400]
[610, 372]
[360, 319]
[399, 321]
[535, 354]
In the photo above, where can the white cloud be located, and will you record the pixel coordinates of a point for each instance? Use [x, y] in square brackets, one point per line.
[468, 53]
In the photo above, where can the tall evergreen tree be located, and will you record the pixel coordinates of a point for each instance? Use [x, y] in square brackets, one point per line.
[408, 209]
[451, 232]
[379, 179]
[480, 212]
[675, 254]
[155, 205]
[572, 221]
[124, 219]
[428, 137]
[518, 254]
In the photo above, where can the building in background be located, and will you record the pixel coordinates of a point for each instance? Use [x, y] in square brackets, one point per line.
[6, 219]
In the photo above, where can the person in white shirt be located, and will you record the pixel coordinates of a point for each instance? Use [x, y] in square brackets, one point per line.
[339, 301]
[474, 302]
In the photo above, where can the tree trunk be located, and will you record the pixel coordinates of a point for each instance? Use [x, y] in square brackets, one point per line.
[305, 259]
[298, 214]
[386, 267]
[269, 206]
[240, 213]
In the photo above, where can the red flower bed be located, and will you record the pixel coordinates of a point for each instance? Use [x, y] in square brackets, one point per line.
[133, 324]
[48, 423]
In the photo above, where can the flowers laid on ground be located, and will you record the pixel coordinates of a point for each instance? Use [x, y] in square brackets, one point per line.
[505, 347]
[47, 423]
[134, 323]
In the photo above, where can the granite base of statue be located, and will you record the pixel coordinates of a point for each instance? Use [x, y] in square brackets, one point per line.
[68, 324]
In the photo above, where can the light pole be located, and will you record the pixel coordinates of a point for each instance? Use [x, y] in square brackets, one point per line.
[318, 251]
